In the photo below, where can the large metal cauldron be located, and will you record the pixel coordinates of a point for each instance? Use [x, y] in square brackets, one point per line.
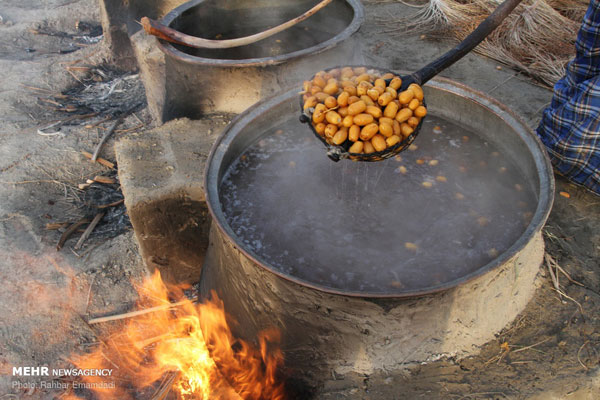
[200, 81]
[325, 329]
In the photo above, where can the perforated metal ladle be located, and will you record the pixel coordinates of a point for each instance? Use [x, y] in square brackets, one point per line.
[419, 77]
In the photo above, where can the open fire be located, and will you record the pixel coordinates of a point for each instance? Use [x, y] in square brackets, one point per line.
[184, 349]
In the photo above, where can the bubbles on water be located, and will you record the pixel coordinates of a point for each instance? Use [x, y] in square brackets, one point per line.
[455, 143]
[401, 170]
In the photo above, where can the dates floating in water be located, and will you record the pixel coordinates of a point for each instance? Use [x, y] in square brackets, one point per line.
[371, 114]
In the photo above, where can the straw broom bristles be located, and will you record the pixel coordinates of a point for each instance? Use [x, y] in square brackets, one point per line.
[537, 38]
[573, 9]
[437, 15]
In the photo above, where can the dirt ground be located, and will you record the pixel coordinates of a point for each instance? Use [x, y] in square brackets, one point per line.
[551, 351]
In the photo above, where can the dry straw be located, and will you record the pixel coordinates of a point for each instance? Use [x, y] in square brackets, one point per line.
[538, 38]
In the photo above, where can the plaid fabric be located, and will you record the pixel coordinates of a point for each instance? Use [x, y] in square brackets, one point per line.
[570, 126]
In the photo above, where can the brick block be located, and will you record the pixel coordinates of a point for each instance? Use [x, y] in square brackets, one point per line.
[161, 173]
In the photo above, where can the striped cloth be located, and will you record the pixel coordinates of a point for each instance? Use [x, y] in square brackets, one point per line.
[570, 126]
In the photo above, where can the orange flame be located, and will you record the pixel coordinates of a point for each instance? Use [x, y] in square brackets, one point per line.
[188, 349]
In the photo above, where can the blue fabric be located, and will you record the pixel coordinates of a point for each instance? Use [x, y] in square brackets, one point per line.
[570, 126]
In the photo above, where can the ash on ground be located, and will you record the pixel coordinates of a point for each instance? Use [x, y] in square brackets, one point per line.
[107, 91]
[115, 220]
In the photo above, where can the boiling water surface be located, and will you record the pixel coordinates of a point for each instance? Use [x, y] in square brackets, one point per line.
[435, 213]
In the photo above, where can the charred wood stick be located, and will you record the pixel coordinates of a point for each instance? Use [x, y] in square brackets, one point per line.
[89, 230]
[105, 137]
[111, 130]
[90, 126]
[68, 108]
[77, 68]
[113, 204]
[164, 32]
[133, 128]
[52, 226]
[70, 230]
[49, 101]
[75, 76]
[531, 346]
[99, 160]
[49, 32]
[37, 89]
[41, 131]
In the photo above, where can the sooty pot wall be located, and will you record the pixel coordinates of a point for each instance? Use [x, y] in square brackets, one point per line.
[200, 81]
[184, 82]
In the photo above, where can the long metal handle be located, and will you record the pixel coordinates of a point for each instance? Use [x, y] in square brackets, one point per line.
[469, 43]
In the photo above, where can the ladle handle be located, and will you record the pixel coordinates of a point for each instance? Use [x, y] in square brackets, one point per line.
[469, 43]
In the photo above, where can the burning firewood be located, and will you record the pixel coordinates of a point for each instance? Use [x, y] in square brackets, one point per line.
[184, 349]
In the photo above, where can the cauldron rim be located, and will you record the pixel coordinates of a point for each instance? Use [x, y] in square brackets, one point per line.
[535, 146]
[171, 51]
